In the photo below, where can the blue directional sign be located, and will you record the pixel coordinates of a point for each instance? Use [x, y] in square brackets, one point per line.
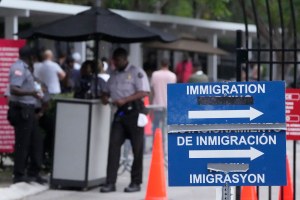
[226, 102]
[191, 154]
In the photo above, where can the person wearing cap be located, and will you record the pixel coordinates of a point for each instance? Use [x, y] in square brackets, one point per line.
[21, 115]
[125, 89]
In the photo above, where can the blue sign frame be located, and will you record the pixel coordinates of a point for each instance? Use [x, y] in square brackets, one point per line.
[267, 168]
[226, 103]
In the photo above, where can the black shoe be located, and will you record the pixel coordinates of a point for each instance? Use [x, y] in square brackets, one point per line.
[108, 188]
[133, 187]
[39, 180]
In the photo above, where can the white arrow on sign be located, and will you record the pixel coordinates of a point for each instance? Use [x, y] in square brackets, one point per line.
[252, 113]
[251, 153]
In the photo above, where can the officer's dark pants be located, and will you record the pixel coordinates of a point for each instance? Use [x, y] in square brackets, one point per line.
[125, 127]
[28, 141]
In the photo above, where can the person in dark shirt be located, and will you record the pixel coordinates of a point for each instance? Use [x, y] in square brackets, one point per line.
[86, 81]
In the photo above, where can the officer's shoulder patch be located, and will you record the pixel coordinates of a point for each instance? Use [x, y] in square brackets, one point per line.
[140, 75]
[18, 73]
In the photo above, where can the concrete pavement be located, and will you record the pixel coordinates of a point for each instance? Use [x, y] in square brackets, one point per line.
[173, 193]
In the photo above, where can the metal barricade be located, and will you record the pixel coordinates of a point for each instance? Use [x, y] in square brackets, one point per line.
[275, 47]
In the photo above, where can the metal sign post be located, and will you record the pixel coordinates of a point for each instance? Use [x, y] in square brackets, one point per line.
[227, 168]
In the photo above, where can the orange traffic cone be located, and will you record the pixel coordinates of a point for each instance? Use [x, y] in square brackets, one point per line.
[248, 193]
[148, 127]
[156, 189]
[286, 192]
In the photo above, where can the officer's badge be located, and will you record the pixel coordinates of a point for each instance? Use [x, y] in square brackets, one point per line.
[18, 73]
[129, 77]
[140, 75]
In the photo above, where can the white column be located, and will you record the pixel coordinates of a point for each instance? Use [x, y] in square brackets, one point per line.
[177, 58]
[11, 27]
[212, 60]
[135, 54]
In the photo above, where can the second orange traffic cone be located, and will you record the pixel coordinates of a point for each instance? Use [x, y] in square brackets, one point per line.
[248, 193]
[156, 189]
[288, 189]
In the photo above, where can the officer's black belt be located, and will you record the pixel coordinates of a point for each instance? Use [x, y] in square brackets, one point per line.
[20, 105]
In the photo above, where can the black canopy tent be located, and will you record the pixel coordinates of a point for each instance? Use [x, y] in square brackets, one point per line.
[97, 24]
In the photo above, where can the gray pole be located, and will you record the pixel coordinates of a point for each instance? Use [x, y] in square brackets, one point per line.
[226, 192]
[98, 3]
[96, 55]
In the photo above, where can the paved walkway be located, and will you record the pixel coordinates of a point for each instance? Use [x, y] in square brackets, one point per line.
[37, 192]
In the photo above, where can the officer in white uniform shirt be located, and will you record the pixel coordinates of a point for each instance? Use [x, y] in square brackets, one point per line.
[21, 114]
[125, 89]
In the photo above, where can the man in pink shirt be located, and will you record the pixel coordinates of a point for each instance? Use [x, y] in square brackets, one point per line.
[159, 81]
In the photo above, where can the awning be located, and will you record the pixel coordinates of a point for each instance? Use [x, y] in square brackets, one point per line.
[187, 45]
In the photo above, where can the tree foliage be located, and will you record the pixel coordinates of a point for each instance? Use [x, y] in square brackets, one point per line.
[264, 13]
[225, 10]
[205, 9]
